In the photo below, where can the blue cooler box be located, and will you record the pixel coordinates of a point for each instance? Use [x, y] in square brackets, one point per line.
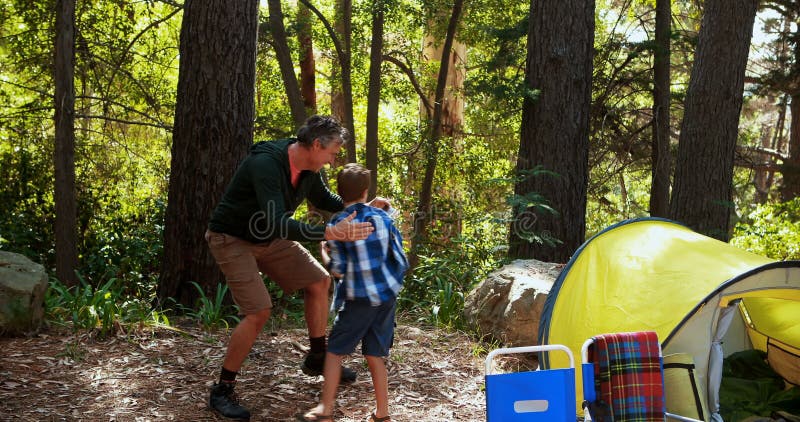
[544, 395]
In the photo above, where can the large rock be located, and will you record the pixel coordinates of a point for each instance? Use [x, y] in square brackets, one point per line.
[22, 286]
[507, 305]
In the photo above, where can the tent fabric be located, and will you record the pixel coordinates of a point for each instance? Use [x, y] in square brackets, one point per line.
[681, 393]
[772, 318]
[717, 355]
[784, 360]
[657, 275]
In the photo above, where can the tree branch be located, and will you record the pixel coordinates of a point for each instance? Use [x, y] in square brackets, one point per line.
[407, 70]
[748, 151]
[133, 41]
[124, 107]
[38, 91]
[331, 32]
[127, 122]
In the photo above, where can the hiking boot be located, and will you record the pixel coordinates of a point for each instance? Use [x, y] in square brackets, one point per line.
[224, 401]
[314, 363]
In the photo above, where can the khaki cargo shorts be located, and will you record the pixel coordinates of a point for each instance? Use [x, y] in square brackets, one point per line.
[286, 262]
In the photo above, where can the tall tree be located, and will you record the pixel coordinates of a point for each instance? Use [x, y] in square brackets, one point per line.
[284, 56]
[554, 135]
[342, 43]
[423, 213]
[308, 70]
[213, 129]
[453, 100]
[703, 191]
[64, 157]
[448, 197]
[790, 188]
[662, 162]
[341, 17]
[788, 81]
[374, 94]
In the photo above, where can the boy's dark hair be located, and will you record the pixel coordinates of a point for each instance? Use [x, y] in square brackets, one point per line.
[352, 181]
[324, 128]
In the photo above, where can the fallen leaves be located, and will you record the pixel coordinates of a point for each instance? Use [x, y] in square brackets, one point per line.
[166, 374]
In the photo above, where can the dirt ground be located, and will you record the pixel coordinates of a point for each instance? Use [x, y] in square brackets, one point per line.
[161, 374]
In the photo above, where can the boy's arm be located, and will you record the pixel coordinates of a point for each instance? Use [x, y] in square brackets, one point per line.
[325, 252]
[337, 264]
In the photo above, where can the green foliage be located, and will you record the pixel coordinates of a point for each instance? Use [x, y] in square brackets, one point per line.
[26, 200]
[86, 307]
[525, 208]
[106, 308]
[126, 244]
[772, 230]
[125, 77]
[286, 307]
[439, 283]
[448, 303]
[126, 67]
[212, 312]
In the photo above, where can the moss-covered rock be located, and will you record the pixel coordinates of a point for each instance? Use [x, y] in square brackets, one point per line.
[22, 287]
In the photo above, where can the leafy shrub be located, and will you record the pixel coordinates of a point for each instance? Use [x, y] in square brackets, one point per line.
[286, 307]
[441, 280]
[84, 306]
[212, 312]
[106, 308]
[127, 245]
[26, 202]
[772, 230]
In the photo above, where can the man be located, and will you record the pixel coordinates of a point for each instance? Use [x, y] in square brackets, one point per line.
[251, 231]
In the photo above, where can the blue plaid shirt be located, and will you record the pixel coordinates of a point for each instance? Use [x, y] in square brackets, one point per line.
[372, 268]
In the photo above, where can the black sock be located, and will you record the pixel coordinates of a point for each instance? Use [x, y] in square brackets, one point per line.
[317, 344]
[227, 376]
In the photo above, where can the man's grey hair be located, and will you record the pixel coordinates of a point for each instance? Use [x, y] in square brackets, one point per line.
[326, 129]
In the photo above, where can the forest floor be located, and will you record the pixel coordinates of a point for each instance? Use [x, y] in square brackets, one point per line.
[163, 374]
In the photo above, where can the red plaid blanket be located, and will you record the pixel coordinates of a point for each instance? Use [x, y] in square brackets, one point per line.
[628, 375]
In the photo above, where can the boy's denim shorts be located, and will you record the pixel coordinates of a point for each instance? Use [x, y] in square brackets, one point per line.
[359, 321]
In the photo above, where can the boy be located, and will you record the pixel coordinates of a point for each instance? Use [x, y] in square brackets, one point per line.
[372, 274]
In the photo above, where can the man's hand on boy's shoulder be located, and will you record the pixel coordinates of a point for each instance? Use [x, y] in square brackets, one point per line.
[346, 230]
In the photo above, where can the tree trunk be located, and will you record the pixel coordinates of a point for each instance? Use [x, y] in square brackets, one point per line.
[761, 179]
[342, 42]
[308, 71]
[703, 192]
[555, 127]
[284, 57]
[374, 95]
[341, 11]
[790, 188]
[453, 101]
[772, 139]
[66, 207]
[213, 130]
[452, 120]
[345, 59]
[662, 162]
[423, 213]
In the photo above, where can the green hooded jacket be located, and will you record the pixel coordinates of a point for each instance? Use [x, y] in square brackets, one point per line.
[260, 200]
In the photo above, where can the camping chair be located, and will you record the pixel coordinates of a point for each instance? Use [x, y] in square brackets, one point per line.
[623, 379]
[536, 396]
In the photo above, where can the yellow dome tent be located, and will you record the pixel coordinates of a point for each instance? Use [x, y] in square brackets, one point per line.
[703, 297]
